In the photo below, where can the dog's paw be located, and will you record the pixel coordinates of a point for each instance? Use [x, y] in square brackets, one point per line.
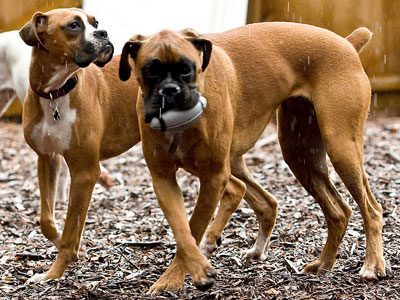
[373, 271]
[206, 282]
[202, 273]
[37, 278]
[168, 282]
[171, 280]
[82, 251]
[253, 254]
[316, 267]
[208, 248]
[105, 179]
[165, 284]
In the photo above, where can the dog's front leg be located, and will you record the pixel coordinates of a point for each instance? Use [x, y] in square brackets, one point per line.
[84, 173]
[48, 173]
[188, 257]
[170, 199]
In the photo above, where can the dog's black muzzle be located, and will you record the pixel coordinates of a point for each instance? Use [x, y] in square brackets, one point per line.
[98, 50]
[169, 90]
[170, 96]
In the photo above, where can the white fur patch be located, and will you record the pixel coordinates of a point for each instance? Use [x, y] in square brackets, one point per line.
[258, 250]
[51, 136]
[36, 278]
[88, 27]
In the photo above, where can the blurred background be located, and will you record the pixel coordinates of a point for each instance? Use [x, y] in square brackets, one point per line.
[124, 18]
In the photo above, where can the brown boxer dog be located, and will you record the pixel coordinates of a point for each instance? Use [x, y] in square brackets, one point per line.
[313, 79]
[96, 118]
[76, 110]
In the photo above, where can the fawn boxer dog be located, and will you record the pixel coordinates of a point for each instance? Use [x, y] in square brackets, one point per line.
[90, 119]
[15, 58]
[74, 110]
[313, 79]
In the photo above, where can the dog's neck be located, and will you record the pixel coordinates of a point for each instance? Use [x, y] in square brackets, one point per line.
[48, 73]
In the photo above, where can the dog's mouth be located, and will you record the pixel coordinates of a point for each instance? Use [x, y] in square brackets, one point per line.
[176, 121]
[158, 104]
[99, 52]
[105, 56]
[174, 114]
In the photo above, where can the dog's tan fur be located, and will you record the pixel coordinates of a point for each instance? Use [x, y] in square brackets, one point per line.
[314, 80]
[105, 126]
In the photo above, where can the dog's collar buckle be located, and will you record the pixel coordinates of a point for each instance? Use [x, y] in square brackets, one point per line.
[62, 91]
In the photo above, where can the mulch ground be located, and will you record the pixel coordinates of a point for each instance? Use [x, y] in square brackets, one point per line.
[130, 244]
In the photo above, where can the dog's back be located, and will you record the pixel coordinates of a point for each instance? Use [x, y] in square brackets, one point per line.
[287, 60]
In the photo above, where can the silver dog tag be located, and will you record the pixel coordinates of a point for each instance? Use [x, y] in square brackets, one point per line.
[55, 111]
[56, 115]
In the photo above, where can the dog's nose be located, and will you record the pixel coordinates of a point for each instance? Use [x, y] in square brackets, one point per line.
[169, 90]
[100, 34]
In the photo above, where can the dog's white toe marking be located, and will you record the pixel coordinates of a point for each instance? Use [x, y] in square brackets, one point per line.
[257, 252]
[206, 249]
[203, 245]
[253, 254]
[367, 273]
[36, 278]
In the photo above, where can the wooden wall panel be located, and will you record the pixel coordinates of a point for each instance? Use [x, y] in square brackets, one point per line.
[380, 58]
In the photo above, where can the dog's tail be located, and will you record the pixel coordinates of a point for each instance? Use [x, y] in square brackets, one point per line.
[359, 38]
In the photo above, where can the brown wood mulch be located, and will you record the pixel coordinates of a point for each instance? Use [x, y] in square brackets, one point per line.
[129, 242]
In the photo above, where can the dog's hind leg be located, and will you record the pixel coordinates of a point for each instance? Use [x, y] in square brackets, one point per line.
[264, 205]
[304, 152]
[62, 184]
[230, 201]
[343, 139]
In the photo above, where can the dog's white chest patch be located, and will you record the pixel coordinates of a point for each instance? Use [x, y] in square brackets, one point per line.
[51, 136]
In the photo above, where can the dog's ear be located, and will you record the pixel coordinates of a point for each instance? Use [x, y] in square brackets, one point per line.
[202, 44]
[130, 49]
[31, 30]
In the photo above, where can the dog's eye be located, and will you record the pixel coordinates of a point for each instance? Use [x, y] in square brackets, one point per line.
[184, 71]
[153, 70]
[96, 24]
[74, 26]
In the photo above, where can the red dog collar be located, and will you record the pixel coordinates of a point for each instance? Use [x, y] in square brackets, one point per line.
[65, 89]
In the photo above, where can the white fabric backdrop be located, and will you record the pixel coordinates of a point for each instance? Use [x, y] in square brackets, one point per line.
[124, 18]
